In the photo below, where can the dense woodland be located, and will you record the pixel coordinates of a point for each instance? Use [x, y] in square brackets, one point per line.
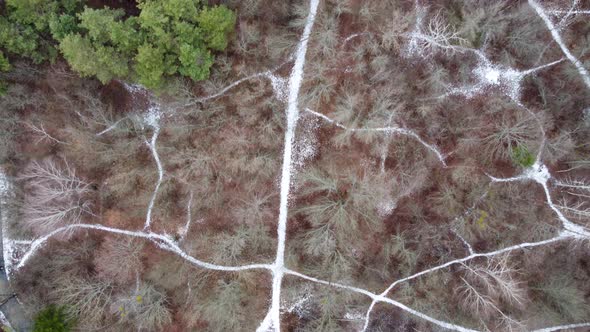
[464, 92]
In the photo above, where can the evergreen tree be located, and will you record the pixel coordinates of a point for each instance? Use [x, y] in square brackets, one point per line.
[52, 319]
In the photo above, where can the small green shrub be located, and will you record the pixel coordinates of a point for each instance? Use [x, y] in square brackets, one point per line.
[522, 157]
[52, 319]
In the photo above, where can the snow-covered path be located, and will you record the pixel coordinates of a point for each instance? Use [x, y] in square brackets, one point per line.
[387, 131]
[539, 173]
[557, 37]
[162, 241]
[562, 236]
[272, 319]
[153, 120]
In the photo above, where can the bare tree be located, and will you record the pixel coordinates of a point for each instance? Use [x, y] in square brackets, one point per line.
[145, 307]
[437, 36]
[118, 259]
[42, 133]
[485, 288]
[224, 312]
[82, 297]
[55, 196]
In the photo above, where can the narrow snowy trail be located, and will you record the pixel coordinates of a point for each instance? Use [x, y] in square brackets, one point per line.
[540, 174]
[562, 327]
[153, 120]
[272, 319]
[387, 131]
[167, 243]
[162, 241]
[266, 74]
[557, 37]
[184, 230]
[111, 127]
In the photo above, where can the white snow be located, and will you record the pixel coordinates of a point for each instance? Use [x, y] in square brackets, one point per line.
[280, 86]
[301, 305]
[5, 321]
[272, 319]
[487, 74]
[562, 327]
[354, 315]
[381, 298]
[337, 124]
[492, 75]
[386, 208]
[305, 147]
[134, 88]
[538, 172]
[465, 243]
[8, 249]
[574, 12]
[111, 127]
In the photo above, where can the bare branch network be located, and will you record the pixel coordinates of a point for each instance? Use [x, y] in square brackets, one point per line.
[59, 201]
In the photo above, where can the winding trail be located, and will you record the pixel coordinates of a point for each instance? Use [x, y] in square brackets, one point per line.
[557, 37]
[387, 131]
[272, 319]
[540, 174]
[153, 120]
[164, 242]
[264, 74]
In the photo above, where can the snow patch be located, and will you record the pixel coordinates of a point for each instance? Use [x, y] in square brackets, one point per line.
[306, 145]
[301, 306]
[280, 86]
[4, 321]
[386, 208]
[538, 172]
[152, 117]
[492, 75]
[354, 315]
